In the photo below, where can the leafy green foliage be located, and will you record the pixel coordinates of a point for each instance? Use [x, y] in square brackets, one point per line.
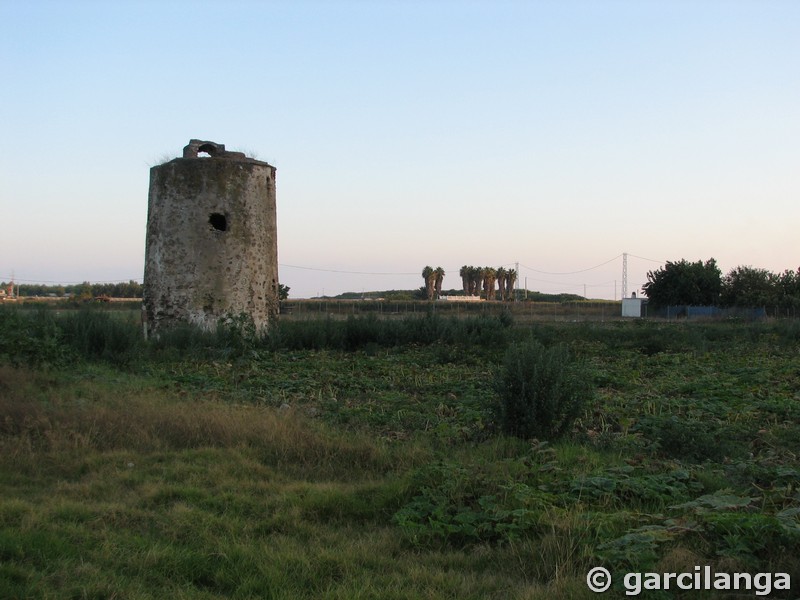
[682, 282]
[459, 504]
[747, 286]
[636, 550]
[625, 486]
[129, 289]
[283, 291]
[753, 287]
[701, 284]
[695, 440]
[541, 390]
[305, 463]
[30, 339]
[355, 333]
[97, 334]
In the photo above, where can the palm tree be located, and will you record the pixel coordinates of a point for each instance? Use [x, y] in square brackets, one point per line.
[501, 282]
[489, 278]
[429, 275]
[438, 274]
[475, 281]
[464, 273]
[511, 279]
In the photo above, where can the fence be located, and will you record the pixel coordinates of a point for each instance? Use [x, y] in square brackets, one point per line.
[730, 312]
[591, 310]
[540, 311]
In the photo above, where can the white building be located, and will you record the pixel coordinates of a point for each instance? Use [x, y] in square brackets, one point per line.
[632, 307]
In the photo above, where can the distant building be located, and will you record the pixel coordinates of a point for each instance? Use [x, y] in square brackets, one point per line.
[8, 292]
[460, 298]
[632, 307]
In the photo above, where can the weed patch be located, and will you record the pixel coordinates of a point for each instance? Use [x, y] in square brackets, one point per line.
[541, 391]
[366, 457]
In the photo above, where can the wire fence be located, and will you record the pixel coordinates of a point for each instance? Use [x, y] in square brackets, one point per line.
[593, 310]
[552, 311]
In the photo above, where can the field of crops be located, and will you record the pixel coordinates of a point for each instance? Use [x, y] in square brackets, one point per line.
[365, 458]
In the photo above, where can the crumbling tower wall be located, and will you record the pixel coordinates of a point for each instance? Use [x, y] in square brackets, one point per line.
[211, 249]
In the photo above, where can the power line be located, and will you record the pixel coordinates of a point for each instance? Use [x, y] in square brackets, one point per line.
[380, 273]
[573, 272]
[339, 271]
[648, 259]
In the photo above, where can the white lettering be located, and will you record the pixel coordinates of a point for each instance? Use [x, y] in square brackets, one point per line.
[784, 580]
[636, 588]
[683, 577]
[705, 578]
[652, 581]
[722, 581]
[667, 577]
[763, 587]
[737, 577]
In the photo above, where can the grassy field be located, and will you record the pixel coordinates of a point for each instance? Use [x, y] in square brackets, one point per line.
[362, 458]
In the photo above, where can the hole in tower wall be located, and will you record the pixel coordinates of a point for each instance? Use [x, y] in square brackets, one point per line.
[207, 150]
[218, 221]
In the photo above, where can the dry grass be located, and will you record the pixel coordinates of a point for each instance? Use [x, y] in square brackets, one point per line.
[38, 418]
[119, 490]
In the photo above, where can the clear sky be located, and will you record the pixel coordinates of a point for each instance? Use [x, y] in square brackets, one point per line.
[556, 134]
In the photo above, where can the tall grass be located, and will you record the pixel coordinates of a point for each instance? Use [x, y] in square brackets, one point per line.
[99, 334]
[43, 337]
[146, 422]
[46, 338]
[113, 492]
[358, 332]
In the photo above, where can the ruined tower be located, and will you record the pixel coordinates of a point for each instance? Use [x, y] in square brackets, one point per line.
[211, 248]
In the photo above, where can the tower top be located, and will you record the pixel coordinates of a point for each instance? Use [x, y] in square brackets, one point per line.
[211, 148]
[195, 148]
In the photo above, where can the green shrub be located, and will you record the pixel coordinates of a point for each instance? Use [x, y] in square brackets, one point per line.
[357, 332]
[180, 340]
[30, 338]
[463, 504]
[541, 391]
[691, 439]
[98, 334]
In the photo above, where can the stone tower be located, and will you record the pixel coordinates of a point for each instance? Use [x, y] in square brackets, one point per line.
[211, 248]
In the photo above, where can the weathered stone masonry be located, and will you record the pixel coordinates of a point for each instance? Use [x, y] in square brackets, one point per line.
[211, 247]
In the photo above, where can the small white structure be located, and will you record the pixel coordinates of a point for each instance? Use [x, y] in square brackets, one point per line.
[632, 307]
[461, 298]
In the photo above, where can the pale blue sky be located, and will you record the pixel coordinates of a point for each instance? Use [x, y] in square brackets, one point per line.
[556, 134]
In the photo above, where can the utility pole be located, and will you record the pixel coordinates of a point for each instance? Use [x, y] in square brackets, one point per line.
[624, 274]
[516, 281]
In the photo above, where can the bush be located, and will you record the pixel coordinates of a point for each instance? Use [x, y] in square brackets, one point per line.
[97, 334]
[30, 338]
[356, 333]
[692, 439]
[464, 504]
[541, 391]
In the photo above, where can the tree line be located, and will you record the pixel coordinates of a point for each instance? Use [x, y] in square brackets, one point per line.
[486, 282]
[702, 284]
[85, 290]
